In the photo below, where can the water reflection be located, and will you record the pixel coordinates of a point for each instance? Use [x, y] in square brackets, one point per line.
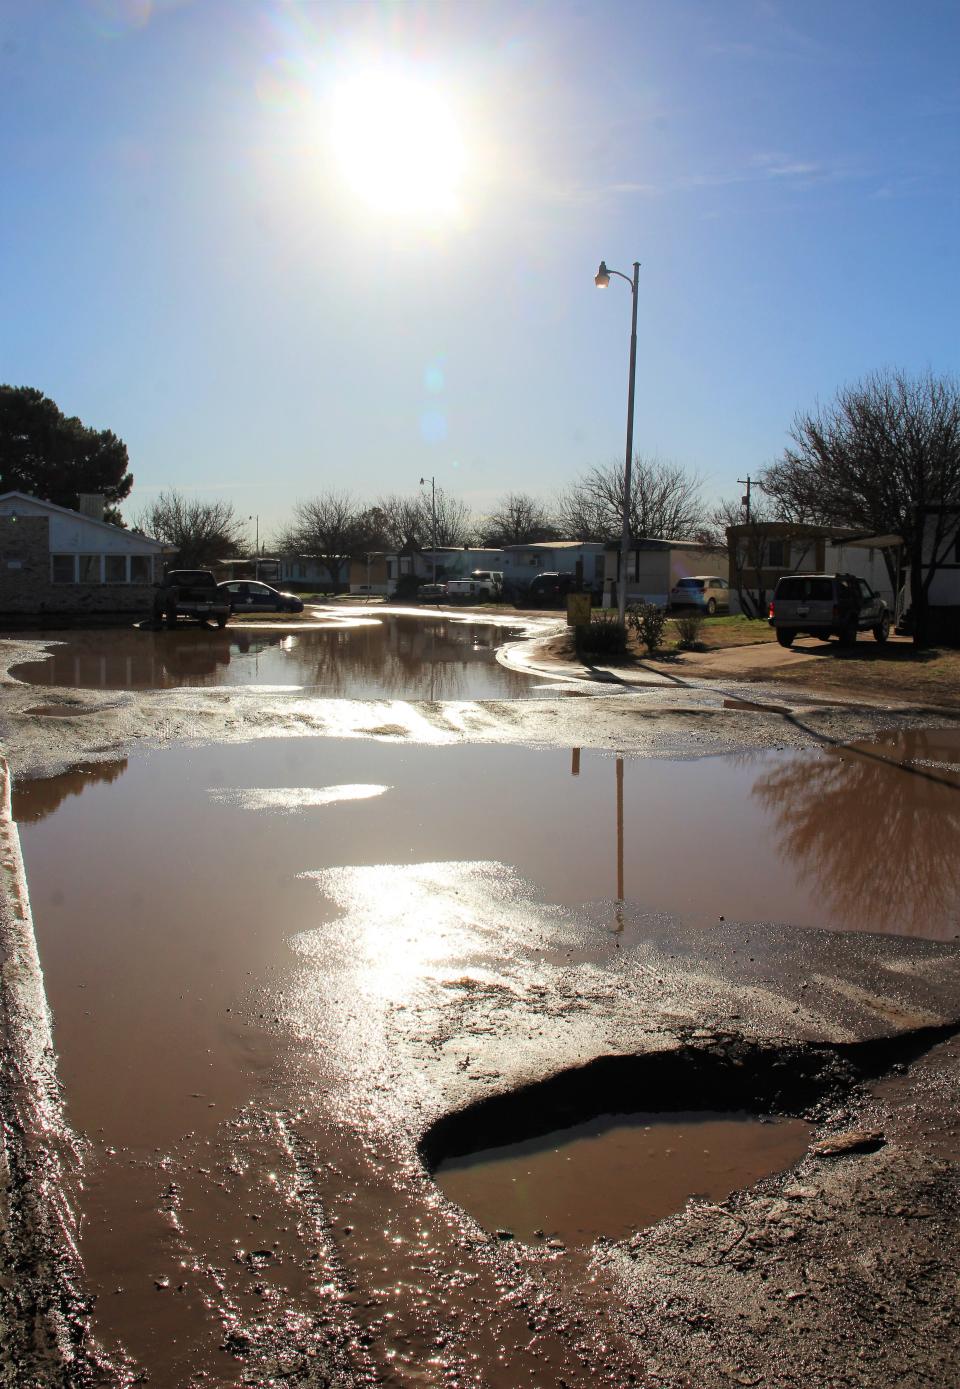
[877, 831]
[400, 657]
[39, 797]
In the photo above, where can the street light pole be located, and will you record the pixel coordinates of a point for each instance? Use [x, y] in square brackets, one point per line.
[602, 280]
[433, 514]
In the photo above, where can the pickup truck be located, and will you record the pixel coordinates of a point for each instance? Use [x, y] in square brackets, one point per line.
[190, 593]
[482, 583]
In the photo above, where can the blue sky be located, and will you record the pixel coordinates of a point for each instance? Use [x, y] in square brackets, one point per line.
[185, 257]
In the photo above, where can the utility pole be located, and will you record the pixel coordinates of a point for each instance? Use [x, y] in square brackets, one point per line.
[433, 514]
[745, 501]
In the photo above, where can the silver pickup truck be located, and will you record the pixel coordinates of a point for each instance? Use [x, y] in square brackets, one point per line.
[825, 605]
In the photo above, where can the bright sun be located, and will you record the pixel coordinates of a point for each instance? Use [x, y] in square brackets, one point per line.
[397, 141]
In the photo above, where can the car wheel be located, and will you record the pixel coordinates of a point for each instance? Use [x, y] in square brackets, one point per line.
[711, 607]
[785, 636]
[882, 629]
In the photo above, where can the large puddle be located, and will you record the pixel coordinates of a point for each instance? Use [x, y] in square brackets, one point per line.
[232, 935]
[388, 657]
[613, 1175]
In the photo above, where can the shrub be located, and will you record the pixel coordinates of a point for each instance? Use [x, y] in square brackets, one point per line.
[688, 629]
[604, 635]
[647, 622]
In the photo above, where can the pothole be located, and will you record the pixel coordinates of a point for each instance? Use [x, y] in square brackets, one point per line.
[616, 1174]
[623, 1142]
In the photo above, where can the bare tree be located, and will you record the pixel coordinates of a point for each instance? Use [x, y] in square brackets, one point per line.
[398, 521]
[883, 458]
[454, 520]
[666, 502]
[328, 527]
[517, 519]
[203, 532]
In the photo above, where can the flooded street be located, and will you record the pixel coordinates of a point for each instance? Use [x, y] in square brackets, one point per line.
[273, 965]
[360, 654]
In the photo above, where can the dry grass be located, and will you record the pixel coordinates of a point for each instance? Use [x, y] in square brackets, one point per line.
[896, 672]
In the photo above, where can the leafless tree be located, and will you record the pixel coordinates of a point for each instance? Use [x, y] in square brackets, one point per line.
[517, 519]
[883, 458]
[455, 524]
[203, 532]
[328, 527]
[666, 502]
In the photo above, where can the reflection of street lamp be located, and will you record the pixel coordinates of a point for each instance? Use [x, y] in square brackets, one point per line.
[433, 513]
[602, 281]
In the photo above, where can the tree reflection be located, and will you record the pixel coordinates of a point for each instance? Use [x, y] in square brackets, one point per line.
[393, 657]
[882, 839]
[37, 797]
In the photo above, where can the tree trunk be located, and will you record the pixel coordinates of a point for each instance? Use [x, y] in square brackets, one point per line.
[918, 595]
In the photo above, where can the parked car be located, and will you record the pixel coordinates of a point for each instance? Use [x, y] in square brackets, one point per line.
[705, 592]
[252, 596]
[432, 593]
[190, 593]
[482, 583]
[826, 605]
[549, 590]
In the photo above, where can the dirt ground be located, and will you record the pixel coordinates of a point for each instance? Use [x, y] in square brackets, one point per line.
[842, 1272]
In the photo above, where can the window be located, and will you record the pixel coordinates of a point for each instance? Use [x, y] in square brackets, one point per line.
[140, 569]
[115, 569]
[776, 554]
[89, 569]
[63, 569]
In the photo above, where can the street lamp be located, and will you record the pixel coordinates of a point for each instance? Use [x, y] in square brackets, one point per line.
[602, 281]
[433, 514]
[256, 547]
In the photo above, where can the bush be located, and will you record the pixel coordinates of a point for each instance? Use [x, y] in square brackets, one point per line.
[647, 623]
[604, 635]
[688, 629]
[407, 587]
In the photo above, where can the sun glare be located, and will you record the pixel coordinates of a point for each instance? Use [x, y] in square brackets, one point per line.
[396, 139]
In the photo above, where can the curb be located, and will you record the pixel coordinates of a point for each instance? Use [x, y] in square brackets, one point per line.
[43, 1313]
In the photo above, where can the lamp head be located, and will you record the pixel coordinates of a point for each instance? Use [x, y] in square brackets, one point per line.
[602, 278]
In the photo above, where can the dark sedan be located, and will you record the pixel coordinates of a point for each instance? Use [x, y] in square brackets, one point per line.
[251, 596]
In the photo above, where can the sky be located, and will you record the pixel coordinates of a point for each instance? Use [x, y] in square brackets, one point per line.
[281, 246]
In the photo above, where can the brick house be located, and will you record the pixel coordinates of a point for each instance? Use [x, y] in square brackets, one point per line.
[58, 564]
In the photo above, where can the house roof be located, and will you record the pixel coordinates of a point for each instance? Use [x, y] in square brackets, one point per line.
[554, 545]
[649, 543]
[79, 516]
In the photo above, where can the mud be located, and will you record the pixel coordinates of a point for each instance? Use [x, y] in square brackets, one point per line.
[261, 1038]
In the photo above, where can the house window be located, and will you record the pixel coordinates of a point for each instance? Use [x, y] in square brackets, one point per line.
[63, 569]
[777, 554]
[89, 569]
[115, 569]
[140, 569]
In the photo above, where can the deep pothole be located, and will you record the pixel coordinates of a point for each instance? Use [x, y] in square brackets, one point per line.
[606, 1149]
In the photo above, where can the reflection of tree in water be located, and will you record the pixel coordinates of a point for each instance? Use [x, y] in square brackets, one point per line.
[881, 839]
[38, 797]
[412, 658]
[408, 658]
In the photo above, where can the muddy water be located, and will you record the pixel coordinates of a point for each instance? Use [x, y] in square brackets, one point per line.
[616, 1174]
[235, 938]
[391, 656]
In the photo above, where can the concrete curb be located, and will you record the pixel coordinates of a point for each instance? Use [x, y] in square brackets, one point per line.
[43, 1321]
